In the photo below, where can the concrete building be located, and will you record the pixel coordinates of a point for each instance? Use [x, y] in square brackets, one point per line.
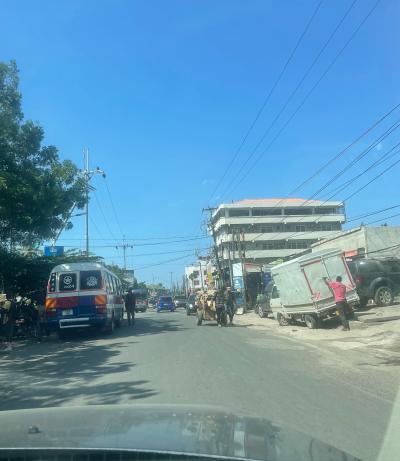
[198, 276]
[264, 230]
[365, 241]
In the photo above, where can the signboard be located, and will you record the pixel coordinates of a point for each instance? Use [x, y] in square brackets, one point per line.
[53, 251]
[129, 275]
[238, 283]
[266, 278]
[237, 270]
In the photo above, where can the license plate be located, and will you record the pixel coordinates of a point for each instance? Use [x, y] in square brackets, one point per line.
[67, 312]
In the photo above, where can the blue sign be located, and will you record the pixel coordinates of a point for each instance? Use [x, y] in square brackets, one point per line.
[267, 278]
[238, 283]
[53, 251]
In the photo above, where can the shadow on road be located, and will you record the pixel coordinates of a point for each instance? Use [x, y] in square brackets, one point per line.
[84, 366]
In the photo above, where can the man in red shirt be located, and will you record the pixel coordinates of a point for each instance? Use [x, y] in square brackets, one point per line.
[339, 293]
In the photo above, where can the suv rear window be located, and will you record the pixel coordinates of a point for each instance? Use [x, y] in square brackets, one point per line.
[67, 282]
[90, 280]
[166, 299]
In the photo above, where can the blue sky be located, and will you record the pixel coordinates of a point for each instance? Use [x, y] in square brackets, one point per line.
[162, 92]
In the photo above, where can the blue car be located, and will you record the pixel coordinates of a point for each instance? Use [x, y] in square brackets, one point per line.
[165, 303]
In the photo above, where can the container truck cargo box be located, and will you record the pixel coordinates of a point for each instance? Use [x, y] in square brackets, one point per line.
[302, 288]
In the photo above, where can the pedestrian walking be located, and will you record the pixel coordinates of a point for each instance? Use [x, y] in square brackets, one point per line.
[220, 308]
[7, 322]
[230, 304]
[130, 304]
[339, 293]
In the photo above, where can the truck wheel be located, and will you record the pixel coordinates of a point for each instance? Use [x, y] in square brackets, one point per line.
[311, 321]
[260, 312]
[187, 312]
[283, 322]
[383, 296]
[199, 318]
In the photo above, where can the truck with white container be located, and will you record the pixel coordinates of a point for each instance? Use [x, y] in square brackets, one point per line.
[300, 291]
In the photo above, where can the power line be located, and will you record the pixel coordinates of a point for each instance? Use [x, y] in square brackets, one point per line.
[373, 179]
[356, 218]
[308, 94]
[164, 262]
[357, 190]
[147, 244]
[104, 216]
[140, 239]
[113, 207]
[360, 156]
[363, 153]
[378, 162]
[162, 253]
[342, 152]
[95, 226]
[282, 72]
[291, 96]
[384, 219]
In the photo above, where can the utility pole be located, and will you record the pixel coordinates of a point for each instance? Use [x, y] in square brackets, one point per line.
[88, 175]
[171, 281]
[211, 227]
[124, 246]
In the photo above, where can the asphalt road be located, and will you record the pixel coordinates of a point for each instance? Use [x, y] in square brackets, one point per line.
[166, 358]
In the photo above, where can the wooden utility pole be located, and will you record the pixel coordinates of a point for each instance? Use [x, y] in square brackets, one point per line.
[211, 227]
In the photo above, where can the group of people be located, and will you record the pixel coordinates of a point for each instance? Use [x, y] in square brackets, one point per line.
[225, 306]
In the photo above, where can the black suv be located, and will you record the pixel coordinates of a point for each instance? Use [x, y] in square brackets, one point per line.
[377, 279]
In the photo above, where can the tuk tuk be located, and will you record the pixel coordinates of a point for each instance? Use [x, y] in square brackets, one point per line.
[206, 309]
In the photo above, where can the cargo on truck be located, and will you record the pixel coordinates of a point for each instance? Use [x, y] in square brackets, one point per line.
[301, 291]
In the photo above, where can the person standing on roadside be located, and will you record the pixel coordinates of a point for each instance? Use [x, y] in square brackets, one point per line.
[339, 293]
[220, 307]
[230, 304]
[130, 304]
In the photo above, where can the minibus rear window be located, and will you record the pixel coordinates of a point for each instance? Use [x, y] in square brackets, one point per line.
[67, 282]
[90, 280]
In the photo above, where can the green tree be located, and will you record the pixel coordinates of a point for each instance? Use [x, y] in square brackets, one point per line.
[37, 190]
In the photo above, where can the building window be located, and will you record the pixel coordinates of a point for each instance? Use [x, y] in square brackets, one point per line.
[266, 211]
[238, 212]
[300, 228]
[325, 210]
[268, 246]
[325, 226]
[299, 211]
[266, 229]
[196, 283]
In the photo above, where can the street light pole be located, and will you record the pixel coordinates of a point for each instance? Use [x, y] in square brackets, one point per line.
[171, 281]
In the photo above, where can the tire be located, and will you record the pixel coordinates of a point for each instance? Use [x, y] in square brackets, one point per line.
[187, 312]
[383, 296]
[311, 321]
[260, 312]
[199, 318]
[283, 322]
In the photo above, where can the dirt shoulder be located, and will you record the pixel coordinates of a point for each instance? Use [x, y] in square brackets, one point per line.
[370, 344]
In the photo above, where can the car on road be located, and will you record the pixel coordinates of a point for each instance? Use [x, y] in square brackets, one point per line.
[377, 279]
[141, 296]
[180, 301]
[152, 301]
[165, 303]
[191, 306]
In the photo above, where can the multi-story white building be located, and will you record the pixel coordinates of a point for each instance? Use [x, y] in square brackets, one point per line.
[198, 276]
[264, 230]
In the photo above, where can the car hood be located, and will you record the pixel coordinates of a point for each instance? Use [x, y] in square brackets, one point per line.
[190, 430]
